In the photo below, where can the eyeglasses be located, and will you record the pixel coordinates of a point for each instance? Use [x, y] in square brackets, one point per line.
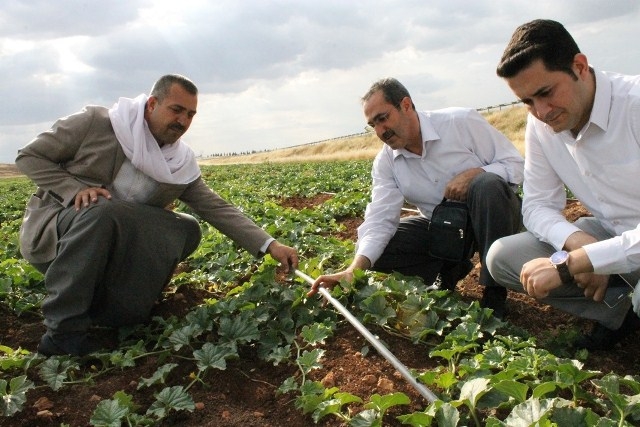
[380, 119]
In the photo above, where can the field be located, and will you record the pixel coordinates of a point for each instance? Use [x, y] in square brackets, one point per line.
[234, 342]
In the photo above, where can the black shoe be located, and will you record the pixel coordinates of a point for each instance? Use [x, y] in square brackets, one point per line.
[602, 338]
[74, 344]
[495, 297]
[449, 278]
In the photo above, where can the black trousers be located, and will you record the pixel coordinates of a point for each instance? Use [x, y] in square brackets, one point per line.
[495, 211]
[113, 260]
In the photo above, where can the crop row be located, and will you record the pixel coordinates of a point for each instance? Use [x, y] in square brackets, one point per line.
[484, 364]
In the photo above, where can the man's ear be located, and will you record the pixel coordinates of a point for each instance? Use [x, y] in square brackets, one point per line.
[405, 104]
[151, 103]
[581, 64]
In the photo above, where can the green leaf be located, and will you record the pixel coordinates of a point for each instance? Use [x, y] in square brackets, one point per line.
[334, 406]
[109, 413]
[316, 333]
[416, 419]
[310, 360]
[182, 337]
[528, 413]
[446, 380]
[473, 390]
[377, 308]
[214, 356]
[447, 416]
[382, 403]
[366, 418]
[171, 398]
[55, 370]
[512, 388]
[542, 389]
[12, 400]
[570, 416]
[240, 329]
[290, 384]
[158, 377]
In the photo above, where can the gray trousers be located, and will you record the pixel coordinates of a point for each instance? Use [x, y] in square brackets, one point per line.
[507, 256]
[113, 260]
[495, 211]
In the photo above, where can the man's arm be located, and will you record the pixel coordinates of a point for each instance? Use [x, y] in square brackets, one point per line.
[458, 187]
[78, 152]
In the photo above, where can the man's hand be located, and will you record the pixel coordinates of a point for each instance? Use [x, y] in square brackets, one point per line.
[360, 262]
[539, 278]
[458, 187]
[90, 195]
[594, 285]
[287, 256]
[329, 281]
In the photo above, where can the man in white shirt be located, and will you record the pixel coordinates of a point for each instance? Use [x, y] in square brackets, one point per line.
[583, 132]
[452, 153]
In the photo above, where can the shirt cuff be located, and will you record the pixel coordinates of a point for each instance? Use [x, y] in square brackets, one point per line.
[559, 234]
[608, 256]
[263, 248]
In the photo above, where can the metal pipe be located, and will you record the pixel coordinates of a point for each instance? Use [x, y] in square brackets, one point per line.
[424, 391]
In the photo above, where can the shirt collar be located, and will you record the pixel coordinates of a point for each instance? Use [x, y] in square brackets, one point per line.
[601, 101]
[428, 133]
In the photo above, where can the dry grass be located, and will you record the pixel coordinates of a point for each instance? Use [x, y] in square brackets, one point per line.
[510, 121]
[349, 148]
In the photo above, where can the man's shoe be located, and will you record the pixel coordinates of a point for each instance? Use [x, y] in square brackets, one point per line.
[450, 278]
[602, 338]
[495, 297]
[74, 344]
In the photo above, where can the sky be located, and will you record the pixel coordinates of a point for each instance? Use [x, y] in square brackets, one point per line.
[277, 73]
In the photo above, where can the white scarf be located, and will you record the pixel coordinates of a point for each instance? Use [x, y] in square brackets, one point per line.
[172, 164]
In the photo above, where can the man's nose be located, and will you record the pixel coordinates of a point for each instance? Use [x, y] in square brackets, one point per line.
[542, 108]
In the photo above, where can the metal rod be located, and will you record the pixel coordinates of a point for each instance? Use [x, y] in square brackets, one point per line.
[424, 391]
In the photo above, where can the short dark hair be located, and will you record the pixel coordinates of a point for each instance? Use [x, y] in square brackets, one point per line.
[162, 86]
[539, 39]
[394, 91]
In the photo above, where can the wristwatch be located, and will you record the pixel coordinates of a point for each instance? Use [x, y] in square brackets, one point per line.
[559, 261]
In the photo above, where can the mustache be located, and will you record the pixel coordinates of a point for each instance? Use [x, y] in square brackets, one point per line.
[178, 127]
[551, 116]
[388, 134]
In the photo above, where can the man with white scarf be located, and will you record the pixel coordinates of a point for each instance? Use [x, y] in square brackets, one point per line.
[97, 226]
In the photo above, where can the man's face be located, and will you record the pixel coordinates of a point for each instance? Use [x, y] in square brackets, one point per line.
[170, 118]
[390, 122]
[554, 97]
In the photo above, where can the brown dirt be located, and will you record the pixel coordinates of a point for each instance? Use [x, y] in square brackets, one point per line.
[244, 394]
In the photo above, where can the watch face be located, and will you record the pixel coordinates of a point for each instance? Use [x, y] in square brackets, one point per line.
[559, 257]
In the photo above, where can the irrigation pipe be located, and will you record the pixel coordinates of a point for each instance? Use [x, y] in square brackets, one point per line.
[424, 391]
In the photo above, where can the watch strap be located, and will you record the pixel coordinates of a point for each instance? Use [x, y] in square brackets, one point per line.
[565, 274]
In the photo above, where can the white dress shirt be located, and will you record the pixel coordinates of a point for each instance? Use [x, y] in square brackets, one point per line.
[454, 140]
[601, 167]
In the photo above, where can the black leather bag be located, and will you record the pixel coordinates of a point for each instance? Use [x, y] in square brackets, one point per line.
[450, 232]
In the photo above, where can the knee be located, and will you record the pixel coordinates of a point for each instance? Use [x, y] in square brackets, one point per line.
[192, 232]
[488, 184]
[104, 209]
[496, 258]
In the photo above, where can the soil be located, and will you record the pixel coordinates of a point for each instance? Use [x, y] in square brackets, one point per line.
[245, 393]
